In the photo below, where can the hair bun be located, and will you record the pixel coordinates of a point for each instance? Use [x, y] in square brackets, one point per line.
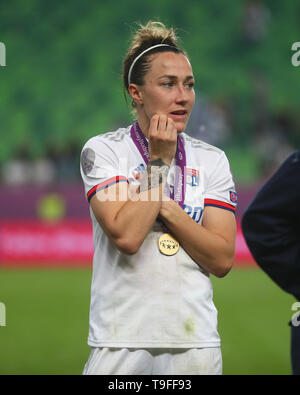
[153, 32]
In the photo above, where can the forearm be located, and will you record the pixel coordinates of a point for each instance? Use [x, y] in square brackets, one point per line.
[209, 250]
[136, 217]
[134, 221]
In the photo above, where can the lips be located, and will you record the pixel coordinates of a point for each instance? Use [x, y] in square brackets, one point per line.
[179, 115]
[179, 112]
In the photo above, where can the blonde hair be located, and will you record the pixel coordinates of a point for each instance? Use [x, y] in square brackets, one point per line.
[150, 35]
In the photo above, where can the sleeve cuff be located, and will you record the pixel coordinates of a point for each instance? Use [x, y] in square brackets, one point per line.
[105, 184]
[220, 204]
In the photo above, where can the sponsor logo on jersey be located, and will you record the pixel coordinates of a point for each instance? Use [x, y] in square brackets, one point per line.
[193, 212]
[192, 177]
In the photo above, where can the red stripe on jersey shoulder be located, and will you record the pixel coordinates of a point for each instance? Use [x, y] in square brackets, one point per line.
[105, 184]
[219, 203]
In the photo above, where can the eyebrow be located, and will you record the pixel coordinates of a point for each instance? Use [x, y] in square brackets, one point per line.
[174, 77]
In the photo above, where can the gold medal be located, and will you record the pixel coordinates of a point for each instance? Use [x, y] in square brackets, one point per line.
[167, 244]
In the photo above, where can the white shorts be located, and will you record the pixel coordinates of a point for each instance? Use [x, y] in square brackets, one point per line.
[166, 361]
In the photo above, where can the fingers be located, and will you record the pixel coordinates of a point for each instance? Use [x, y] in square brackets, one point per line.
[171, 129]
[162, 127]
[162, 137]
[162, 124]
[153, 129]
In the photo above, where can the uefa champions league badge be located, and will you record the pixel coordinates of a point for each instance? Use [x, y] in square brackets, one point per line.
[233, 197]
[87, 160]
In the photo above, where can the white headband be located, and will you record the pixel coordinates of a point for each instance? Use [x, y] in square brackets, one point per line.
[141, 54]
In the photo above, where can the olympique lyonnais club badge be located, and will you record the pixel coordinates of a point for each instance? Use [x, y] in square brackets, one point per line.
[167, 244]
[192, 177]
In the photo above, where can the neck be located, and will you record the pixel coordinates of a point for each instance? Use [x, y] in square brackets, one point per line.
[144, 124]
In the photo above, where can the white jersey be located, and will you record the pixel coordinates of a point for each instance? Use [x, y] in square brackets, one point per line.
[149, 299]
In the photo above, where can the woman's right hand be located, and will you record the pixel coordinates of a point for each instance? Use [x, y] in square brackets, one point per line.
[162, 138]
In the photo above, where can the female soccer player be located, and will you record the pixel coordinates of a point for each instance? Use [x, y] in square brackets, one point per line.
[162, 206]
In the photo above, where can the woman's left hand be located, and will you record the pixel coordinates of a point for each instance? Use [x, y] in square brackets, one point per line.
[170, 211]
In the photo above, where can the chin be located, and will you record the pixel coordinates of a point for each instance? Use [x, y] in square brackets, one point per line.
[180, 127]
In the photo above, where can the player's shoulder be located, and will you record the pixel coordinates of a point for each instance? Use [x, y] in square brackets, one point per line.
[196, 144]
[110, 139]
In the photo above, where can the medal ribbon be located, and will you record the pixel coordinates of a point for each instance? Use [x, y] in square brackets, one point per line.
[178, 193]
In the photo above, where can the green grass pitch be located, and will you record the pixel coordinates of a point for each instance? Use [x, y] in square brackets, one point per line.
[47, 313]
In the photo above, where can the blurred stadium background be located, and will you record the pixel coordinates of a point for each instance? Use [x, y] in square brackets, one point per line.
[62, 85]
